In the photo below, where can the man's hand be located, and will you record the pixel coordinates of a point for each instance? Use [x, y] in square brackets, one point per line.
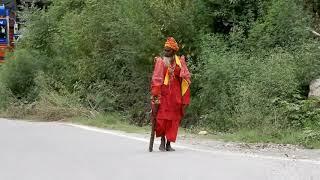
[155, 99]
[155, 102]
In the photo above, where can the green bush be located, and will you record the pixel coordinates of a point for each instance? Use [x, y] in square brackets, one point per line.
[103, 51]
[284, 25]
[18, 74]
[250, 60]
[238, 88]
[6, 97]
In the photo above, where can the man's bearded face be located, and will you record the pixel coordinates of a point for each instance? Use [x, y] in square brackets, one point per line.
[168, 52]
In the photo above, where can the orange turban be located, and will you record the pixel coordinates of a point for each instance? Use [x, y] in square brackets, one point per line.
[172, 43]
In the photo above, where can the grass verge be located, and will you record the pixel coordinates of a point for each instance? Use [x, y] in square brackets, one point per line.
[303, 138]
[112, 121]
[115, 121]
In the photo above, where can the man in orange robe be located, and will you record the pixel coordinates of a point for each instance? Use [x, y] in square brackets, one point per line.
[170, 89]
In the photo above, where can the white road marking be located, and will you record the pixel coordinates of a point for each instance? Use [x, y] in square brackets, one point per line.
[119, 134]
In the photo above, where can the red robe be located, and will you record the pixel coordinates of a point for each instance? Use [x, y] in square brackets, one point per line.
[170, 110]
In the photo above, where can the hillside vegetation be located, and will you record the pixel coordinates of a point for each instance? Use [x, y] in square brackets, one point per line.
[251, 63]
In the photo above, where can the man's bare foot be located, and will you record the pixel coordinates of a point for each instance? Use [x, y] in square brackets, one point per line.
[162, 146]
[168, 147]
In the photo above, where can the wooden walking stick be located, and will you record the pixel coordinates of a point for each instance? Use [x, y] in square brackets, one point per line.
[154, 111]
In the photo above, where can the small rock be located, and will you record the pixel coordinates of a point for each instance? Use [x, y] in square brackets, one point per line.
[314, 88]
[203, 133]
[228, 145]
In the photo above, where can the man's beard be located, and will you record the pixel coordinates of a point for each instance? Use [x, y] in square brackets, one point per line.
[167, 60]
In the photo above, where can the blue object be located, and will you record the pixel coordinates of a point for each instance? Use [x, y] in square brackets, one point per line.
[3, 22]
[2, 10]
[3, 35]
[3, 41]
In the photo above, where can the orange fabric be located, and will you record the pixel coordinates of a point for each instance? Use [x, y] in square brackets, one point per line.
[186, 97]
[157, 77]
[168, 128]
[185, 74]
[172, 101]
[172, 43]
[156, 90]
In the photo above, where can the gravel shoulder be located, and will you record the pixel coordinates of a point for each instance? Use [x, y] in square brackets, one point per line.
[192, 141]
[286, 151]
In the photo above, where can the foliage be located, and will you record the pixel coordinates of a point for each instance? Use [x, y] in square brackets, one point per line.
[285, 25]
[17, 75]
[251, 60]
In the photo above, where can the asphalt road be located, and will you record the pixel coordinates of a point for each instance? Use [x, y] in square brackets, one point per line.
[53, 151]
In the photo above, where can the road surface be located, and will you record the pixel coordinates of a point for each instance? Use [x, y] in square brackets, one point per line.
[56, 151]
